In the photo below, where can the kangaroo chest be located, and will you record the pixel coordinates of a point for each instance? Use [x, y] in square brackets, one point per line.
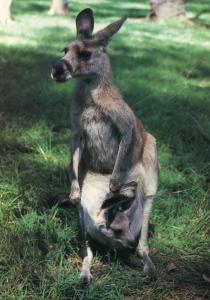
[101, 139]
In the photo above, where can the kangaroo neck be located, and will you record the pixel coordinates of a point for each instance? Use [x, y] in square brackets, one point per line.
[100, 89]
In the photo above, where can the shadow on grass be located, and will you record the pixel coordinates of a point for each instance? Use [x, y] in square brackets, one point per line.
[27, 91]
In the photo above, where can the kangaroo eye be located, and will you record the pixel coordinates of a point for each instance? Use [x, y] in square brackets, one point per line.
[65, 50]
[84, 55]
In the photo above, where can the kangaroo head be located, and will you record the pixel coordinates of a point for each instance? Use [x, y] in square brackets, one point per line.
[85, 56]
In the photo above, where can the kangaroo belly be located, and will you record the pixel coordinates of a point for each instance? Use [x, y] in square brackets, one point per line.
[101, 141]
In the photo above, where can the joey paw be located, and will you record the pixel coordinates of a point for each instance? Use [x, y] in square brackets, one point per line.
[128, 191]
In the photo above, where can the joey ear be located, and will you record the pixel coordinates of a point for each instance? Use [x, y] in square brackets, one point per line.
[103, 36]
[85, 23]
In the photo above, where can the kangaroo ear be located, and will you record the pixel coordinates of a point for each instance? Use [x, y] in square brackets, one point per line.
[85, 23]
[103, 36]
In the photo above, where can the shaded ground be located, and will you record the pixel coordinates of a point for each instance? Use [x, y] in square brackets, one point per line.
[163, 72]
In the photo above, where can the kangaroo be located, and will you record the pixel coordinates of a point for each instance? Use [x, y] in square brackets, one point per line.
[114, 168]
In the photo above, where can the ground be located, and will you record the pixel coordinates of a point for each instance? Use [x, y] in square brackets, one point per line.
[163, 72]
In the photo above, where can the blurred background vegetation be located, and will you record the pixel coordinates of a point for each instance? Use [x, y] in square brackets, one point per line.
[163, 71]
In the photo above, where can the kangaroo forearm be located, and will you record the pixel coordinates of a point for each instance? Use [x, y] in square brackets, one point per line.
[122, 164]
[75, 162]
[77, 149]
[126, 171]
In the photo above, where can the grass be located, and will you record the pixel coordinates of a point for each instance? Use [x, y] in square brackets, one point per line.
[163, 72]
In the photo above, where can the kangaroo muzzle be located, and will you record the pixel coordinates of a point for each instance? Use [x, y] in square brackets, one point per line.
[61, 71]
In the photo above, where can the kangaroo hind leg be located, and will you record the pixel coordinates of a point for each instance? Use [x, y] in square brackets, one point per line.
[149, 185]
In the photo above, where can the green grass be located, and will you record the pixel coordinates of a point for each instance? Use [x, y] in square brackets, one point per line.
[163, 71]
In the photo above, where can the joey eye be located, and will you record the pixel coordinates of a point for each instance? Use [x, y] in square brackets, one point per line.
[84, 55]
[65, 50]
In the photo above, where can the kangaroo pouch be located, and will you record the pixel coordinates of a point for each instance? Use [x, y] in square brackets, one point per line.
[120, 225]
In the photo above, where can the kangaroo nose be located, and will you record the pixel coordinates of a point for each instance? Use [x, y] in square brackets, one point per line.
[57, 70]
[61, 71]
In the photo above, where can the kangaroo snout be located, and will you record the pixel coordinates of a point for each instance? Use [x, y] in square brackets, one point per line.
[61, 71]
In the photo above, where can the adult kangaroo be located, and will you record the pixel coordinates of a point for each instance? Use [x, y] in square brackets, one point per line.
[114, 169]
